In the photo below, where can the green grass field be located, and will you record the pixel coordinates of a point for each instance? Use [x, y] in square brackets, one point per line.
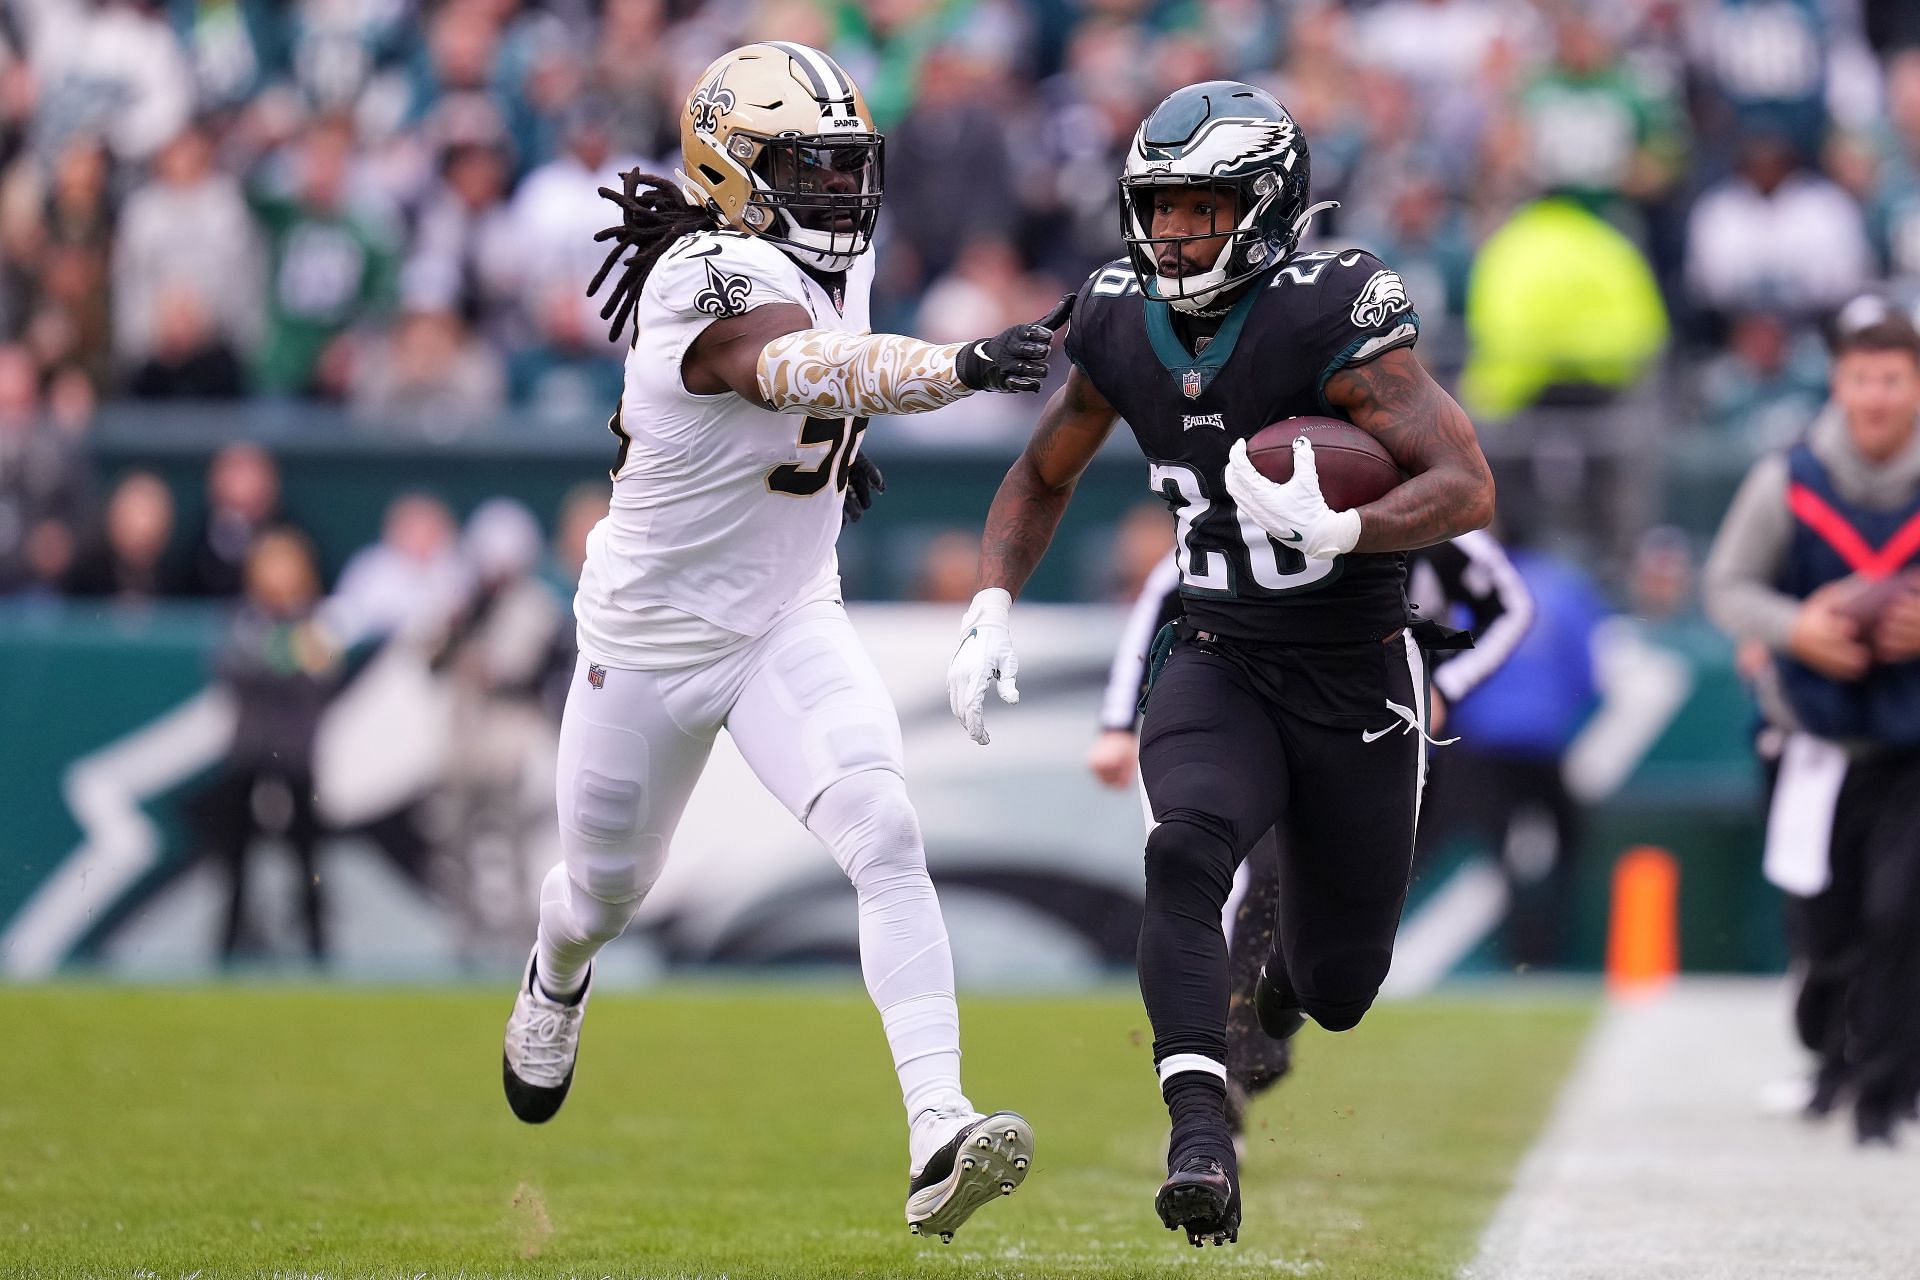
[715, 1132]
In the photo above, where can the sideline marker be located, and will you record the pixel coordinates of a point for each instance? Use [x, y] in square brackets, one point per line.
[1643, 935]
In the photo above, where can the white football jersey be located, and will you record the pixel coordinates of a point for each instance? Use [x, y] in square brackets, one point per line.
[724, 514]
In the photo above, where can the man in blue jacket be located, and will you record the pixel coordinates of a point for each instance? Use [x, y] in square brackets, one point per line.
[1817, 560]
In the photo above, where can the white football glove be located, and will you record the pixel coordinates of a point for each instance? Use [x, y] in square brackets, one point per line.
[985, 657]
[1294, 513]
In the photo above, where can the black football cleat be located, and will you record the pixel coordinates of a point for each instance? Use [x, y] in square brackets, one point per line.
[1830, 1088]
[1875, 1126]
[1278, 1011]
[1202, 1198]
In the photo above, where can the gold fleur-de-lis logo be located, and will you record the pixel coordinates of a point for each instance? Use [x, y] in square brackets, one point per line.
[710, 102]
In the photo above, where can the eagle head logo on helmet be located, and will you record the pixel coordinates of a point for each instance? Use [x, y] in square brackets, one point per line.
[1218, 135]
[779, 144]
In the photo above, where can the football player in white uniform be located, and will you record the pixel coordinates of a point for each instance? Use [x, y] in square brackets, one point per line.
[710, 597]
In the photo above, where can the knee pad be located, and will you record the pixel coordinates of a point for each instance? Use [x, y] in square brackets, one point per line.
[1344, 987]
[595, 920]
[868, 822]
[1336, 1017]
[1186, 855]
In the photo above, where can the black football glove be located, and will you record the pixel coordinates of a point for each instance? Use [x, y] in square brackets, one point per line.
[863, 481]
[1014, 359]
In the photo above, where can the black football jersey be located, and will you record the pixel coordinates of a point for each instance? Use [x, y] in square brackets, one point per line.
[1270, 359]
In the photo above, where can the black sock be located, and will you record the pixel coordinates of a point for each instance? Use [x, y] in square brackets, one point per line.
[1197, 1104]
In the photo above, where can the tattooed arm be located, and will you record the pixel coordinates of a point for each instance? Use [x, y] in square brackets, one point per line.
[1449, 489]
[1031, 500]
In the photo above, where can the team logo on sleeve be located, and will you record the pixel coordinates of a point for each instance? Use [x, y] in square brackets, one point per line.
[1384, 296]
[710, 102]
[724, 295]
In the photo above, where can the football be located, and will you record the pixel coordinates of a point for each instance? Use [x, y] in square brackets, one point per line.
[1864, 599]
[1355, 469]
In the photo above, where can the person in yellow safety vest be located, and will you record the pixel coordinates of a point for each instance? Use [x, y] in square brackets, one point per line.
[1557, 296]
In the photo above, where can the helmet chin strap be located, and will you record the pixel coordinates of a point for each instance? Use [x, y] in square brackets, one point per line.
[691, 190]
[814, 255]
[1307, 215]
[1173, 292]
[1190, 295]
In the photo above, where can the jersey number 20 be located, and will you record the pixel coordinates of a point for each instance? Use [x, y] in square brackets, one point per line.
[841, 436]
[1274, 569]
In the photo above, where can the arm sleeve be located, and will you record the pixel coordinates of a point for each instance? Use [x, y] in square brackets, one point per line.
[823, 372]
[1157, 605]
[1363, 313]
[1495, 595]
[1746, 557]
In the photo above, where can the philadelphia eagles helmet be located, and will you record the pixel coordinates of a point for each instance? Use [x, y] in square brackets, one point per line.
[1218, 134]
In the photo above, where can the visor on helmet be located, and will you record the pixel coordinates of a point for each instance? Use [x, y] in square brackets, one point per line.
[819, 195]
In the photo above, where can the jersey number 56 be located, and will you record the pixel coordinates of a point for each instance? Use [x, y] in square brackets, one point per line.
[842, 438]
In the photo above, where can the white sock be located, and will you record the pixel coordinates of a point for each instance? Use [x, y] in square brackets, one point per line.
[924, 1034]
[574, 925]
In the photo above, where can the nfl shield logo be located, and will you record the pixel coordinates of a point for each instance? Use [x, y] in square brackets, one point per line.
[1190, 383]
[597, 676]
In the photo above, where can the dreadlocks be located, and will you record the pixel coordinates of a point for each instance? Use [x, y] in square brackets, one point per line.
[650, 222]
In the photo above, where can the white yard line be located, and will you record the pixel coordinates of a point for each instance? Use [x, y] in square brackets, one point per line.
[1659, 1163]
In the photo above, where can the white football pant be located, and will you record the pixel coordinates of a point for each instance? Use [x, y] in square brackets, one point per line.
[809, 713]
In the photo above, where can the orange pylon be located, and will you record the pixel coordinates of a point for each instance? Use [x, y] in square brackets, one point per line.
[1643, 935]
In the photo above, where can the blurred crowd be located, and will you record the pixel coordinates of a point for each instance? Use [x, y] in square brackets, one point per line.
[387, 206]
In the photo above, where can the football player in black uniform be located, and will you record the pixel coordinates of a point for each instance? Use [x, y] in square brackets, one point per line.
[1469, 575]
[1295, 690]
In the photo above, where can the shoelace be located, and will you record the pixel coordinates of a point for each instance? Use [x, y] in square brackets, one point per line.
[544, 1042]
[1412, 725]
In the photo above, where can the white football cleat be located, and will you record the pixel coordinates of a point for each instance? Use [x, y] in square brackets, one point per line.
[977, 1158]
[543, 1039]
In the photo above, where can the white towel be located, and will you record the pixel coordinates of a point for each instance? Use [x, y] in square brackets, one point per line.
[1800, 824]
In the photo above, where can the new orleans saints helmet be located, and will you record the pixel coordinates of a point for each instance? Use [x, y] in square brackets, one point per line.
[779, 144]
[1218, 134]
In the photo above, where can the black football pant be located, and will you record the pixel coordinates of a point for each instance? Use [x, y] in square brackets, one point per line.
[1255, 1060]
[1222, 764]
[1859, 1004]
